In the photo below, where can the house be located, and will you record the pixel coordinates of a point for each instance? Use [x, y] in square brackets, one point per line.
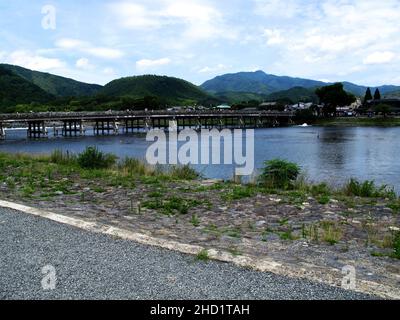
[300, 106]
[268, 105]
[223, 107]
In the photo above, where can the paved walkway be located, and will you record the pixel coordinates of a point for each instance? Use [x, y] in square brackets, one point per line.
[95, 266]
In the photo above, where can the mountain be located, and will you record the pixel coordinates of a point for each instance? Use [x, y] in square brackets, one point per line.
[260, 82]
[54, 85]
[172, 90]
[296, 94]
[16, 90]
[236, 97]
[392, 95]
[360, 90]
[256, 82]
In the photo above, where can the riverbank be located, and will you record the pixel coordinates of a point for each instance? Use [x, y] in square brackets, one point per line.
[313, 229]
[359, 122]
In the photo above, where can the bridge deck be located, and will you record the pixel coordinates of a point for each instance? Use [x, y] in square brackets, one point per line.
[106, 122]
[121, 115]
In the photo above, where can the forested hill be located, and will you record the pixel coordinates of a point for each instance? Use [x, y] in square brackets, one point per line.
[16, 90]
[54, 85]
[172, 90]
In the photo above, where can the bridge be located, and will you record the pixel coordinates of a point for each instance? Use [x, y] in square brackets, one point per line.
[106, 122]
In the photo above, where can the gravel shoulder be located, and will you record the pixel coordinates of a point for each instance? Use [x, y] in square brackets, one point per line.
[95, 266]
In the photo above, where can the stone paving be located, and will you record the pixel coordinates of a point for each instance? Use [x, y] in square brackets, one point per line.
[295, 230]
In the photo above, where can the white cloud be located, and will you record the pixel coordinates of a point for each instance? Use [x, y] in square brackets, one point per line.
[274, 36]
[134, 16]
[217, 68]
[192, 19]
[148, 64]
[379, 57]
[67, 43]
[105, 53]
[88, 48]
[33, 61]
[84, 63]
[331, 38]
[278, 8]
[109, 71]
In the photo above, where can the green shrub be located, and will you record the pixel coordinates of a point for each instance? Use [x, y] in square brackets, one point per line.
[324, 199]
[92, 158]
[203, 255]
[321, 189]
[183, 173]
[368, 189]
[279, 173]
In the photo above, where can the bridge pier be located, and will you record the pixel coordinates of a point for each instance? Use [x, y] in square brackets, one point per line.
[2, 131]
[105, 126]
[132, 124]
[36, 129]
[73, 128]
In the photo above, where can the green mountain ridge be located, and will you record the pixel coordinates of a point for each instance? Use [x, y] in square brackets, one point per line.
[392, 95]
[55, 85]
[261, 83]
[20, 86]
[235, 97]
[256, 82]
[15, 90]
[171, 90]
[296, 94]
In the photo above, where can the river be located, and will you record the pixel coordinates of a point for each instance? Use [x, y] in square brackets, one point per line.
[331, 154]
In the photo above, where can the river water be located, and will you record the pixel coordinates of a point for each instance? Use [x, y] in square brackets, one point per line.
[331, 154]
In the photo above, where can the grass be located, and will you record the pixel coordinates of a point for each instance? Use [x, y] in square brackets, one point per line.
[324, 199]
[395, 206]
[171, 206]
[233, 232]
[42, 176]
[287, 235]
[202, 255]
[391, 246]
[240, 192]
[368, 189]
[235, 251]
[331, 232]
[326, 231]
[195, 221]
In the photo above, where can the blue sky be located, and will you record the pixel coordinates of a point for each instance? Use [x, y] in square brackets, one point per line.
[98, 41]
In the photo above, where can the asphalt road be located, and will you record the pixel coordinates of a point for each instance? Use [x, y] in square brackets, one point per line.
[95, 266]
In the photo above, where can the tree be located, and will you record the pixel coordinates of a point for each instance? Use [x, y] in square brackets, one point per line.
[383, 108]
[377, 95]
[334, 96]
[368, 95]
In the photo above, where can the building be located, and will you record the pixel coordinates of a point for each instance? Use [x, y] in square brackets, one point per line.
[223, 107]
[393, 103]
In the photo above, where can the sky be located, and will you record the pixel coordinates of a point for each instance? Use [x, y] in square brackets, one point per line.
[98, 41]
